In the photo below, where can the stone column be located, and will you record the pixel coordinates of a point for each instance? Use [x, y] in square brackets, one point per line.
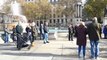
[81, 11]
[78, 11]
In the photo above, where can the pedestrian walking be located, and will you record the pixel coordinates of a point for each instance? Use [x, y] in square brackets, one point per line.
[46, 31]
[33, 34]
[14, 34]
[70, 32]
[19, 31]
[81, 32]
[94, 36]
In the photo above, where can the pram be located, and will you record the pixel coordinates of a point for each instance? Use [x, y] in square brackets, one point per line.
[22, 41]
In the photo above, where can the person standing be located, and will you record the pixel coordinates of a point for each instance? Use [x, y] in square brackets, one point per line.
[33, 34]
[19, 31]
[28, 30]
[105, 31]
[6, 33]
[46, 32]
[70, 32]
[19, 28]
[94, 36]
[14, 34]
[81, 32]
[41, 28]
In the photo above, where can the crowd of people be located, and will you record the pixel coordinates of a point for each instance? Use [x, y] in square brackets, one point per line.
[30, 34]
[92, 31]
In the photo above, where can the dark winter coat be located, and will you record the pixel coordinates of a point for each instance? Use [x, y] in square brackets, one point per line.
[14, 34]
[19, 29]
[45, 29]
[105, 29]
[70, 30]
[93, 31]
[28, 29]
[81, 32]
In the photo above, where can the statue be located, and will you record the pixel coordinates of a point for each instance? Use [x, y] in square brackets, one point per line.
[105, 12]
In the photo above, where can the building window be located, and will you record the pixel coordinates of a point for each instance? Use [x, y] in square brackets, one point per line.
[61, 15]
[50, 21]
[54, 15]
[37, 23]
[54, 21]
[58, 16]
[66, 20]
[71, 20]
[57, 20]
[50, 16]
[62, 21]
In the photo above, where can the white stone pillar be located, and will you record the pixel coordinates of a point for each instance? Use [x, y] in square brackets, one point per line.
[78, 11]
[81, 10]
[60, 20]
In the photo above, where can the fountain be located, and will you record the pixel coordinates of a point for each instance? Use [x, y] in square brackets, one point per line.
[16, 11]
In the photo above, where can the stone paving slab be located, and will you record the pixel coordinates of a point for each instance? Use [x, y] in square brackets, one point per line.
[60, 49]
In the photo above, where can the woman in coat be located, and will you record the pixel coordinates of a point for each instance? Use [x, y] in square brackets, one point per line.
[81, 39]
[14, 34]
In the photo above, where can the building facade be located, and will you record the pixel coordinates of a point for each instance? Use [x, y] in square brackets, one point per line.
[61, 20]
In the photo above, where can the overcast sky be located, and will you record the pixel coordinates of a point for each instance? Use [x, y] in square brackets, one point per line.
[83, 1]
[1, 2]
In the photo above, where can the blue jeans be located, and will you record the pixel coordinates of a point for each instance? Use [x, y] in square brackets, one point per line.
[6, 40]
[94, 48]
[29, 36]
[81, 47]
[45, 37]
[42, 36]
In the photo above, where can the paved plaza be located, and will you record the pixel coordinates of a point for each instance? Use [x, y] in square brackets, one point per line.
[60, 49]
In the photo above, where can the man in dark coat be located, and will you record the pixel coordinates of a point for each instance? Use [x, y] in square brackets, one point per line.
[81, 32]
[19, 28]
[19, 31]
[94, 36]
[70, 32]
[41, 28]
